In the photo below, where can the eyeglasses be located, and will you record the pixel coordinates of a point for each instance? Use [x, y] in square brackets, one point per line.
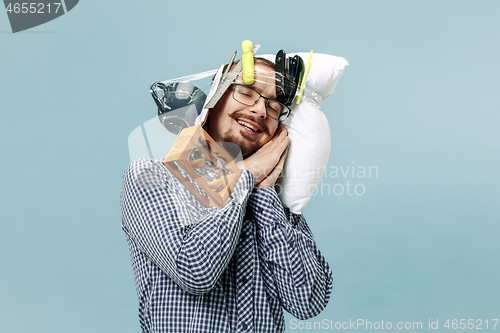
[248, 96]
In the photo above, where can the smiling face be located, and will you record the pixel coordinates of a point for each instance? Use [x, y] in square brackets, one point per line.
[247, 126]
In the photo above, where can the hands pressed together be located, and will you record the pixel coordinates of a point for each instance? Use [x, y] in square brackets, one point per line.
[266, 163]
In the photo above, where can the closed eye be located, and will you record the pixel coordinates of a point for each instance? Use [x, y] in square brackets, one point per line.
[241, 92]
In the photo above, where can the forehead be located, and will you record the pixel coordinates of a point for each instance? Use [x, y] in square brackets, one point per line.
[265, 80]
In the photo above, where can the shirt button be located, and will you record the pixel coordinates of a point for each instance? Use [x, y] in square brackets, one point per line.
[275, 204]
[244, 326]
[244, 280]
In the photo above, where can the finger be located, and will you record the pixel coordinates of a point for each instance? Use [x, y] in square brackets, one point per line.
[279, 135]
[282, 146]
[274, 152]
[278, 140]
[264, 160]
[271, 178]
[281, 162]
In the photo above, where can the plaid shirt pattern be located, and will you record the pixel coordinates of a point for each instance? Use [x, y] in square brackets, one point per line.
[233, 269]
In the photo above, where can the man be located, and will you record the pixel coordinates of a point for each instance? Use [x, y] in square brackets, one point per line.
[233, 269]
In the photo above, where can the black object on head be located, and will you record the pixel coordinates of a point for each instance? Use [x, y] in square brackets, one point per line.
[288, 73]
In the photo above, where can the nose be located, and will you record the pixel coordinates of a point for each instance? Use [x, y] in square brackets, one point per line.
[259, 108]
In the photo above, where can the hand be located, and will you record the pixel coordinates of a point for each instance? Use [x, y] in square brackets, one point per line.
[271, 178]
[264, 161]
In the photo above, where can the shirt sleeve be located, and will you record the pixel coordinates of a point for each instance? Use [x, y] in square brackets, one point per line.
[292, 266]
[190, 243]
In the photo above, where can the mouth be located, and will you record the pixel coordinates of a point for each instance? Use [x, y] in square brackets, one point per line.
[249, 126]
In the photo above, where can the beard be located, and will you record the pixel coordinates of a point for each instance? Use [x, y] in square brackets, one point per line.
[237, 146]
[245, 144]
[242, 145]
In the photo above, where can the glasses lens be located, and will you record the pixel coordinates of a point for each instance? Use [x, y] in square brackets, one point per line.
[274, 108]
[284, 114]
[245, 95]
[248, 96]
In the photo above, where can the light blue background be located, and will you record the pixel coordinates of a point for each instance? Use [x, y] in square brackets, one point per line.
[419, 101]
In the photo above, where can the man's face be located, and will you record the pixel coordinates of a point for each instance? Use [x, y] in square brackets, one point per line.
[247, 126]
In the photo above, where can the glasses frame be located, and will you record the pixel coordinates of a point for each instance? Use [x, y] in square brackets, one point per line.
[281, 117]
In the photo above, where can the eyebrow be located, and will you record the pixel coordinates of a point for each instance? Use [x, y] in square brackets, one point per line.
[257, 90]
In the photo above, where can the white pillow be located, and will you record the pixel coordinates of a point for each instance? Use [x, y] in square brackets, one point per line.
[308, 130]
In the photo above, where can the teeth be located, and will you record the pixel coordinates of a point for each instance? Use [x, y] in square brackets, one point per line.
[247, 125]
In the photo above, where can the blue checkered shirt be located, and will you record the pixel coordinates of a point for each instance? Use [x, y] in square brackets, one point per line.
[233, 269]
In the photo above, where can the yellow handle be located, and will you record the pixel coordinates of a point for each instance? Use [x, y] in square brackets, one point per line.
[304, 78]
[247, 62]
